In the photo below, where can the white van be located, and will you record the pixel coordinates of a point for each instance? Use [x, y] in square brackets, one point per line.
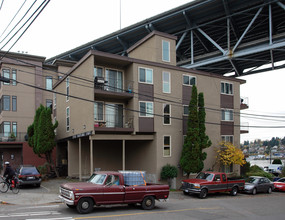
[274, 168]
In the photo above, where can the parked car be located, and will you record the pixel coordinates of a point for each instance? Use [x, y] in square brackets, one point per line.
[256, 184]
[212, 182]
[109, 187]
[28, 175]
[279, 184]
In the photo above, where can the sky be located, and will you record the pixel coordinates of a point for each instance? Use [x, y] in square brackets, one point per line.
[66, 24]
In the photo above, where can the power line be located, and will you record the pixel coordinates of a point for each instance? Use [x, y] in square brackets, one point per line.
[162, 100]
[43, 7]
[12, 20]
[137, 111]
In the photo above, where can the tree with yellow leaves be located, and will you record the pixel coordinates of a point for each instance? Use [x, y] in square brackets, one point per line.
[229, 154]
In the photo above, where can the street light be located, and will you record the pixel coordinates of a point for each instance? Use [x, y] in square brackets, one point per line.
[3, 79]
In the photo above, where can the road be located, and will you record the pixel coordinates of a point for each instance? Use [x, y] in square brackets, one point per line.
[218, 206]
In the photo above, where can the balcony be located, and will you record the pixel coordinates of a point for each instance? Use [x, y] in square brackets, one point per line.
[244, 128]
[18, 137]
[115, 89]
[244, 103]
[114, 124]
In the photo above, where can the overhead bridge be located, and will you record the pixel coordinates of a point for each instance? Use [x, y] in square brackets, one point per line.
[226, 37]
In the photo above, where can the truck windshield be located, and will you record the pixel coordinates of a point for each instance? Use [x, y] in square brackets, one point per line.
[97, 178]
[205, 176]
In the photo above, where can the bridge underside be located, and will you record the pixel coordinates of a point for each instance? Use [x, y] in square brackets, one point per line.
[226, 37]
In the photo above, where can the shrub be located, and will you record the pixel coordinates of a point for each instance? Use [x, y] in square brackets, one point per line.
[168, 172]
[258, 171]
[277, 161]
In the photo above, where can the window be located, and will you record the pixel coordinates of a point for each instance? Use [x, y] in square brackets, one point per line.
[185, 110]
[166, 51]
[114, 115]
[228, 138]
[98, 111]
[6, 103]
[227, 115]
[49, 103]
[14, 128]
[54, 100]
[7, 128]
[227, 168]
[14, 77]
[166, 82]
[98, 71]
[189, 80]
[146, 109]
[166, 146]
[114, 80]
[67, 119]
[14, 103]
[226, 88]
[67, 88]
[145, 75]
[6, 74]
[48, 83]
[166, 114]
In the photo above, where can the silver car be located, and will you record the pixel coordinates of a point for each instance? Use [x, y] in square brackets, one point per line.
[256, 184]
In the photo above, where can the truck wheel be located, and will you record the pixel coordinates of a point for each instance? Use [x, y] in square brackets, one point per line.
[185, 193]
[85, 205]
[148, 203]
[234, 191]
[203, 194]
[254, 191]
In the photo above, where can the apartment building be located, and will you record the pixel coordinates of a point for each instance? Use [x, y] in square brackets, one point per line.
[30, 85]
[130, 113]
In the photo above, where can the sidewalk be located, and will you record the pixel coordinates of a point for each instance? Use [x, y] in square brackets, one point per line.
[47, 193]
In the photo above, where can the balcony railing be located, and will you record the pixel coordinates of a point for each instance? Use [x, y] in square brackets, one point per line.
[244, 127]
[114, 123]
[113, 85]
[9, 137]
[244, 103]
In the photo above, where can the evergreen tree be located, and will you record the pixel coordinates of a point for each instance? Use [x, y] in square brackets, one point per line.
[41, 135]
[190, 160]
[205, 142]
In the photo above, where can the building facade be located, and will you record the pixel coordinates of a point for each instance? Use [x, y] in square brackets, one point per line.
[30, 85]
[130, 113]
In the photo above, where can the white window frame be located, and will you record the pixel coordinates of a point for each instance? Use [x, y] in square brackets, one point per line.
[190, 77]
[14, 103]
[67, 112]
[164, 146]
[147, 114]
[227, 138]
[67, 83]
[6, 74]
[165, 51]
[166, 114]
[224, 86]
[146, 81]
[166, 83]
[224, 114]
[48, 82]
[14, 77]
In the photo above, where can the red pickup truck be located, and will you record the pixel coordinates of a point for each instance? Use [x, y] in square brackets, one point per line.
[212, 182]
[104, 188]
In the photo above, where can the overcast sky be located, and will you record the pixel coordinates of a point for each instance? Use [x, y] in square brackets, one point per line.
[66, 24]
